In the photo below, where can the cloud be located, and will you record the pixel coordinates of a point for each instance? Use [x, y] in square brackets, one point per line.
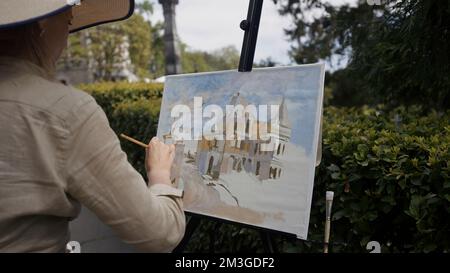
[212, 24]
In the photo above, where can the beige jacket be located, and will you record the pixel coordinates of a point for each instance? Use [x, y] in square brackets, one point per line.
[57, 150]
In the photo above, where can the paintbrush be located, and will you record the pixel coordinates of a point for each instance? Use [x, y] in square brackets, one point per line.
[329, 203]
[134, 140]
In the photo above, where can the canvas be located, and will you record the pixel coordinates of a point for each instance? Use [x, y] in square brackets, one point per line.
[246, 143]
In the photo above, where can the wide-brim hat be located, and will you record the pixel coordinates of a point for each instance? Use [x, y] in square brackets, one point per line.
[86, 13]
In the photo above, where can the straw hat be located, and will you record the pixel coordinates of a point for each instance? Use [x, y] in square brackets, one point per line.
[86, 13]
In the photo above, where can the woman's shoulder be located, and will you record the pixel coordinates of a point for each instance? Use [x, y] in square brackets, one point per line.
[65, 102]
[40, 93]
[64, 99]
[73, 103]
[72, 95]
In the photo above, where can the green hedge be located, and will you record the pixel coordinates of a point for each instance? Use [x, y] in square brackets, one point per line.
[389, 172]
[110, 94]
[132, 109]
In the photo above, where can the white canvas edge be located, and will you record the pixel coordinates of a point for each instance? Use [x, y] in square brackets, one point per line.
[233, 71]
[319, 114]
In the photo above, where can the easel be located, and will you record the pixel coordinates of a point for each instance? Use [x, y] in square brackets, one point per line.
[251, 28]
[265, 234]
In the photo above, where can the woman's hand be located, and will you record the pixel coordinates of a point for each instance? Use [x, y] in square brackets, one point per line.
[158, 162]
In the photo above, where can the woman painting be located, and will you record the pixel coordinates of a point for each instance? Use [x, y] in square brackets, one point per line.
[57, 150]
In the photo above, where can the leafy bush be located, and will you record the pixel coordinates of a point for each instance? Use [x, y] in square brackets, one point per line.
[389, 172]
[110, 94]
[132, 109]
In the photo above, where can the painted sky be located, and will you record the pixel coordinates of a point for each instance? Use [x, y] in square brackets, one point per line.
[300, 85]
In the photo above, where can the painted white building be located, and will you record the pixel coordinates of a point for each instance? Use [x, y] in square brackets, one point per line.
[215, 157]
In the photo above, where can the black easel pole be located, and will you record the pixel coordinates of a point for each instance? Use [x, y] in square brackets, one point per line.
[191, 227]
[251, 27]
[268, 242]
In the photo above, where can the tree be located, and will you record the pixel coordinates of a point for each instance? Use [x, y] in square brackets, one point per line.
[267, 62]
[100, 46]
[398, 52]
[193, 61]
[139, 33]
[157, 58]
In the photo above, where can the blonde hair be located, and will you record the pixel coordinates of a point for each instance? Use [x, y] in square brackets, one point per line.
[25, 42]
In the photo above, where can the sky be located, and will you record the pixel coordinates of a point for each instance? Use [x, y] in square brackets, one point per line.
[212, 24]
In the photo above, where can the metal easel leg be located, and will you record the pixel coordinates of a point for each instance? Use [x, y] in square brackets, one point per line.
[212, 236]
[191, 226]
[268, 242]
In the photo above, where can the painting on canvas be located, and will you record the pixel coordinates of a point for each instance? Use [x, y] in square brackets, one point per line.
[246, 143]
